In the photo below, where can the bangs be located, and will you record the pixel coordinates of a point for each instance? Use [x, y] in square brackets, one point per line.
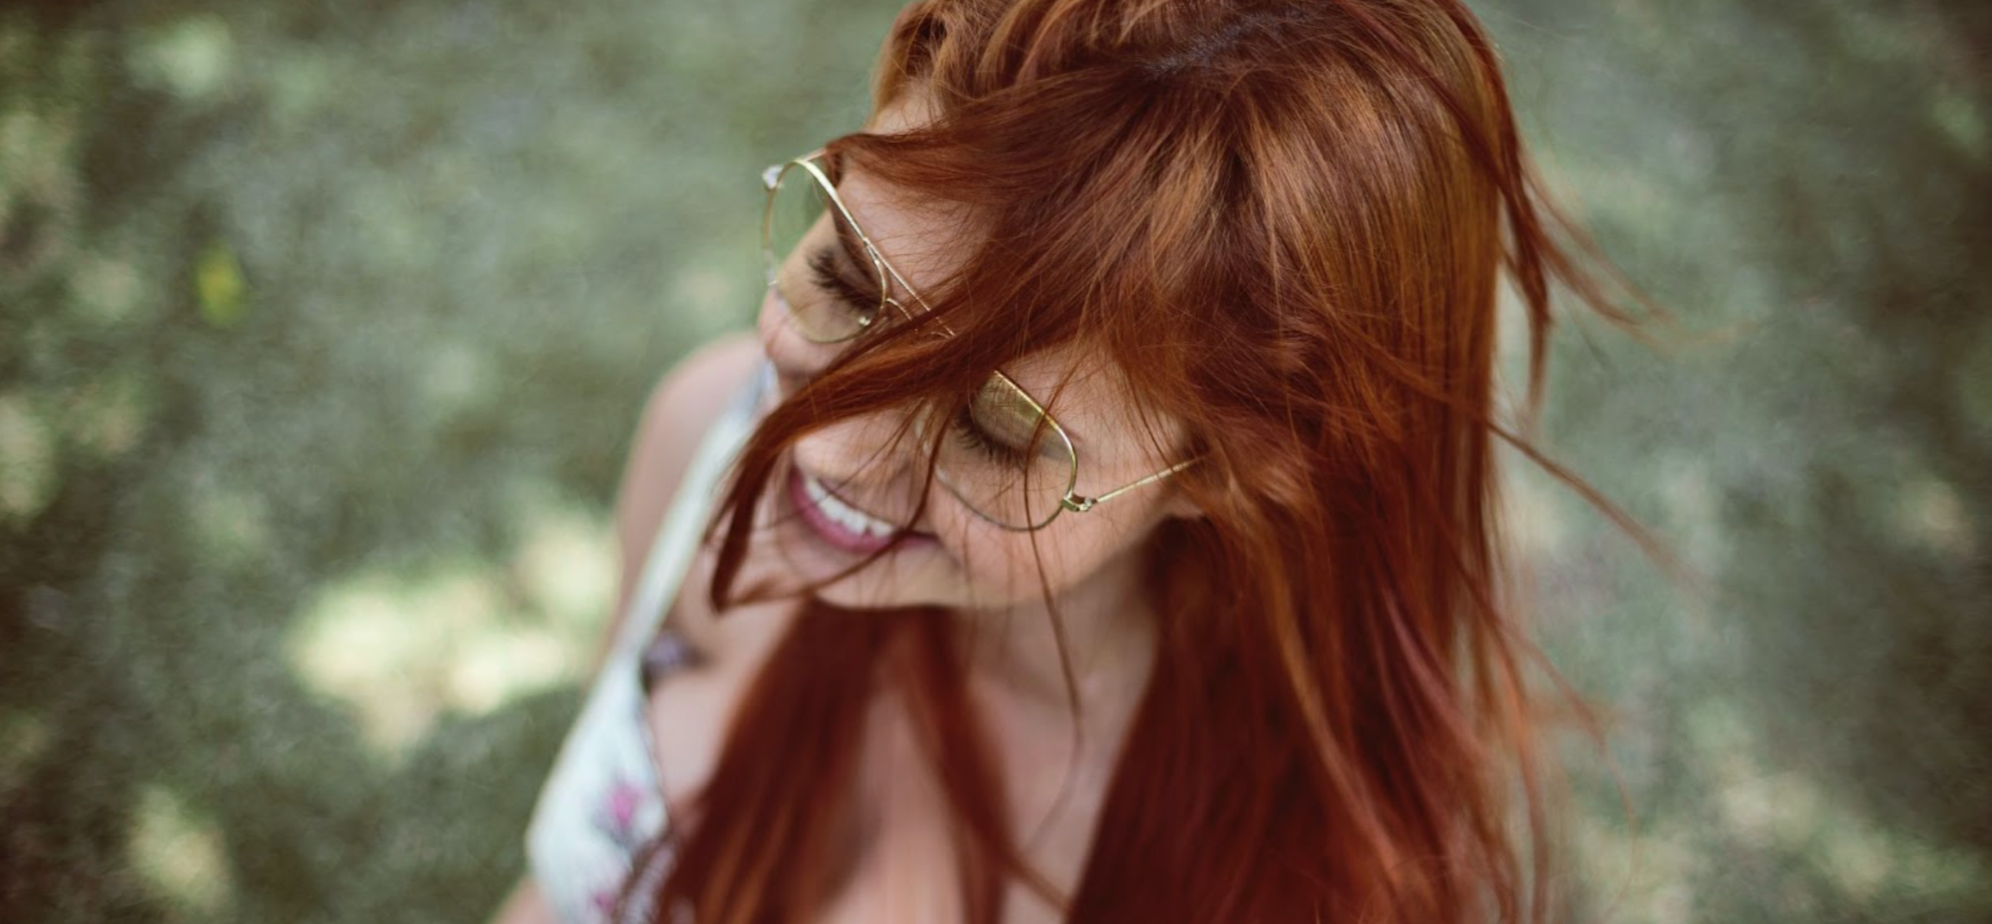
[1108, 260]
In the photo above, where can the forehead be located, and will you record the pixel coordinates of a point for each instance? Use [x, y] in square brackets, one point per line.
[922, 239]
[920, 236]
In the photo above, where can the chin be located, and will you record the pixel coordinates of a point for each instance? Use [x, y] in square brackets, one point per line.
[860, 592]
[877, 586]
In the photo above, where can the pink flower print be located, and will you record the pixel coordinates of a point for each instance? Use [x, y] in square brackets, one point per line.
[623, 802]
[604, 902]
[617, 816]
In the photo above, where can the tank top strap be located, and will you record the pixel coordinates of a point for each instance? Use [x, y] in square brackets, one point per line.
[684, 525]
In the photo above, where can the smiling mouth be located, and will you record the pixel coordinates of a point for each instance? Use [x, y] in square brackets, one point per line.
[837, 522]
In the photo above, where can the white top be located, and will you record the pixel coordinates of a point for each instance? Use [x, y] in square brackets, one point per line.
[603, 803]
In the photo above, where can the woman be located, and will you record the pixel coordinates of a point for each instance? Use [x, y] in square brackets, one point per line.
[1102, 525]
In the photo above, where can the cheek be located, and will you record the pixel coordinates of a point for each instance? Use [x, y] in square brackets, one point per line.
[771, 324]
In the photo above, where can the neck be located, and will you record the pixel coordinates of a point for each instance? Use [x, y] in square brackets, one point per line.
[1104, 629]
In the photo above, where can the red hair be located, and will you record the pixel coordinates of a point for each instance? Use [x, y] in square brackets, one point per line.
[1285, 222]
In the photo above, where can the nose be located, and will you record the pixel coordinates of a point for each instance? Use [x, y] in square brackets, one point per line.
[795, 358]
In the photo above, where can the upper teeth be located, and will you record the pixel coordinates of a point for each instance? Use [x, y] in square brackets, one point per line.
[845, 515]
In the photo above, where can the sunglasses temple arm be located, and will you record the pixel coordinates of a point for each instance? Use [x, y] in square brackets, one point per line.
[1079, 503]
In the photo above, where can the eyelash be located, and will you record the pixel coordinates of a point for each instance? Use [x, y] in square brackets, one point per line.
[977, 440]
[823, 269]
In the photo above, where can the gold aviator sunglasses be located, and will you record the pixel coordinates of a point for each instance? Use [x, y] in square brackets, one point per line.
[1004, 456]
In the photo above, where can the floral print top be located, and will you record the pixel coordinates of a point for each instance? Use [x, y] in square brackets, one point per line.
[601, 809]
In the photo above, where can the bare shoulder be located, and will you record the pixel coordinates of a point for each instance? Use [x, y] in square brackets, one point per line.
[525, 906]
[681, 408]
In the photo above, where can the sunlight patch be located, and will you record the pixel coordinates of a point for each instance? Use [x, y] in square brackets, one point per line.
[24, 738]
[1647, 875]
[566, 565]
[231, 524]
[107, 417]
[106, 290]
[456, 377]
[190, 58]
[1535, 522]
[27, 460]
[1654, 871]
[1694, 510]
[1959, 118]
[1928, 512]
[180, 853]
[403, 649]
[1785, 812]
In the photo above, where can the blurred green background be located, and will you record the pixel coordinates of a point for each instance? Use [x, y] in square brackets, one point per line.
[323, 327]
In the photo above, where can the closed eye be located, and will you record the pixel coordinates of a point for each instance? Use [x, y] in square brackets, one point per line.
[973, 437]
[829, 277]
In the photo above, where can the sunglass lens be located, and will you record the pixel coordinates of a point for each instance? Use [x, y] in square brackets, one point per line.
[831, 294]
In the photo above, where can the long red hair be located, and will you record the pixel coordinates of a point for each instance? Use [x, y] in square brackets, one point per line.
[1285, 221]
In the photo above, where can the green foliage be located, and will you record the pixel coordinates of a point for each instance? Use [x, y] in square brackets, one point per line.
[322, 327]
[324, 330]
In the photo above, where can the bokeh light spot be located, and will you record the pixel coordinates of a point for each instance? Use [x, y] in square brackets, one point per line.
[107, 417]
[1785, 813]
[190, 58]
[107, 290]
[1928, 512]
[566, 566]
[402, 649]
[27, 460]
[456, 377]
[24, 738]
[1534, 520]
[1963, 123]
[180, 853]
[232, 524]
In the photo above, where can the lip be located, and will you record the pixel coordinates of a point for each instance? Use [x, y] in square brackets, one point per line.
[835, 534]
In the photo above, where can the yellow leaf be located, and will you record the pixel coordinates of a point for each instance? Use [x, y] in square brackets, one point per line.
[218, 284]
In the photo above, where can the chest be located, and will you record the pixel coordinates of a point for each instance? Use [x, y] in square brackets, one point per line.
[905, 867]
